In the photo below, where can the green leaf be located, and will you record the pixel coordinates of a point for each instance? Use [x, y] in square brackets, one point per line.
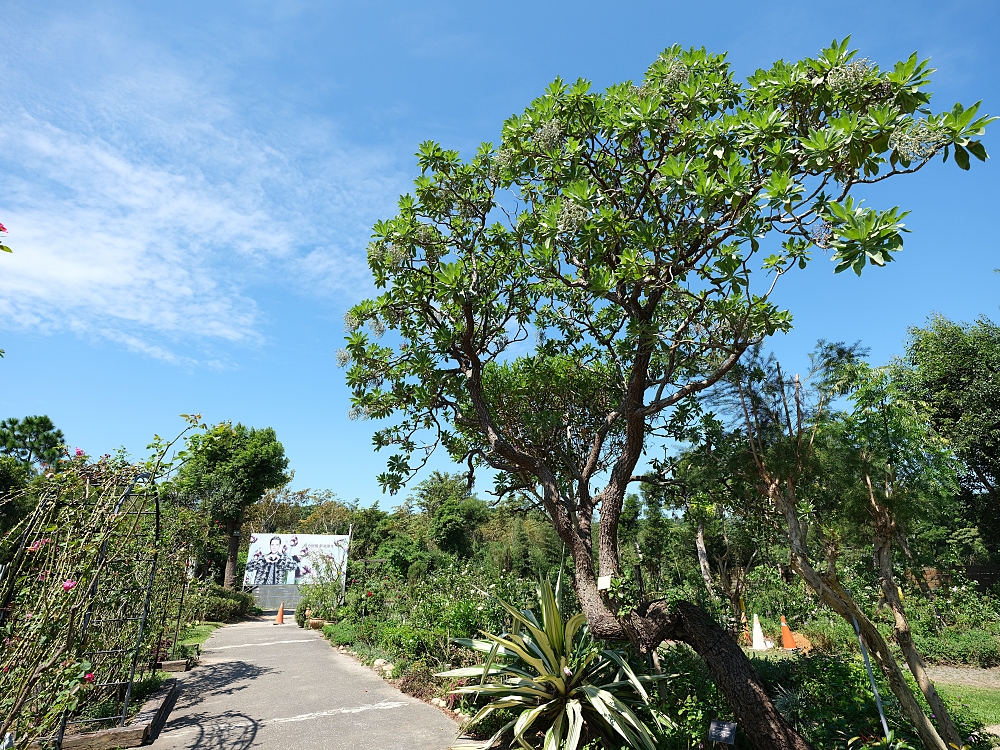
[526, 719]
[574, 715]
[551, 620]
[554, 736]
[477, 671]
[961, 157]
[572, 626]
[977, 149]
[632, 678]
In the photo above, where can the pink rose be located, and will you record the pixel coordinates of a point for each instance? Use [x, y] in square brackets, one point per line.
[69, 585]
[79, 451]
[89, 677]
[3, 228]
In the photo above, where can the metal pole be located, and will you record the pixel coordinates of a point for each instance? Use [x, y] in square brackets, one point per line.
[180, 614]
[145, 608]
[871, 677]
[343, 572]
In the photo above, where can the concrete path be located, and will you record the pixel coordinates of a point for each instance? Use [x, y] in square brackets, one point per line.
[261, 684]
[989, 678]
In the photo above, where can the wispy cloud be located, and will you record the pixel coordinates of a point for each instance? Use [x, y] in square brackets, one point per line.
[145, 209]
[107, 243]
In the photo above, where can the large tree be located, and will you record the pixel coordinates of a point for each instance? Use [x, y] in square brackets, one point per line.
[624, 232]
[34, 441]
[954, 368]
[228, 469]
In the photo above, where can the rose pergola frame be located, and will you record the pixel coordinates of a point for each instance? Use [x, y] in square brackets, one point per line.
[87, 595]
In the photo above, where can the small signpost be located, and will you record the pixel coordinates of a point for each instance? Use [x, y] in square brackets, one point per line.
[722, 731]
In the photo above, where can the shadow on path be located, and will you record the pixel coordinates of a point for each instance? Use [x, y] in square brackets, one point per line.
[260, 686]
[229, 730]
[213, 680]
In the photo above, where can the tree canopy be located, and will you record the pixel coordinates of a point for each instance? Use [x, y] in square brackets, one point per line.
[232, 466]
[954, 368]
[635, 236]
[228, 468]
[33, 440]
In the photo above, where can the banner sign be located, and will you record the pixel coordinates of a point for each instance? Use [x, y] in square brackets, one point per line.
[276, 559]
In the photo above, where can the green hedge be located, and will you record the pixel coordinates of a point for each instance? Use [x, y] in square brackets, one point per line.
[214, 603]
[340, 633]
[970, 647]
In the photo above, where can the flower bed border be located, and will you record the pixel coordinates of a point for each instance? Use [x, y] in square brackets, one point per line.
[147, 722]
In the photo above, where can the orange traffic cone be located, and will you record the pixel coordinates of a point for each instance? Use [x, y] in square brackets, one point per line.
[787, 640]
[280, 619]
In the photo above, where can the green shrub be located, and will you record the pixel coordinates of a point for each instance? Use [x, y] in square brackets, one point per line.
[322, 598]
[689, 698]
[769, 597]
[340, 633]
[214, 603]
[832, 635]
[828, 696]
[405, 639]
[419, 680]
[974, 647]
[219, 609]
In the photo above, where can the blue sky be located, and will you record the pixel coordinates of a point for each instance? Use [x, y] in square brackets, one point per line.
[189, 188]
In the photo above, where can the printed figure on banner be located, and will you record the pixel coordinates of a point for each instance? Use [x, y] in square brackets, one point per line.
[292, 558]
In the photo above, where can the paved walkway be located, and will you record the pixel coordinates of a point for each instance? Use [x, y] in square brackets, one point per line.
[989, 678]
[261, 684]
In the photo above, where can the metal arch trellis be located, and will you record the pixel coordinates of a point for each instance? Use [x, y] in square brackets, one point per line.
[114, 629]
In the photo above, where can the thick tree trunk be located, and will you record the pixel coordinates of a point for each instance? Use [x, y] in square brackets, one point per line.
[706, 572]
[762, 723]
[232, 552]
[732, 671]
[904, 638]
[651, 623]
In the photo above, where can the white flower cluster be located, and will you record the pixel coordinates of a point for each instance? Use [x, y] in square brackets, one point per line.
[504, 159]
[548, 136]
[392, 314]
[377, 327]
[676, 74]
[918, 141]
[351, 323]
[850, 77]
[822, 235]
[359, 413]
[389, 253]
[426, 235]
[343, 357]
[572, 216]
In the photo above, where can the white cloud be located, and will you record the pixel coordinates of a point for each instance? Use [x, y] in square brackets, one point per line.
[145, 208]
[102, 242]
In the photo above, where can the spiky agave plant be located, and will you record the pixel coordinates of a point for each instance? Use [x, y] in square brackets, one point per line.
[558, 680]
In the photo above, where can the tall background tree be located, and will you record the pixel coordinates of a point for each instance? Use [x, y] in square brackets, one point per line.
[26, 445]
[228, 469]
[954, 368]
[33, 441]
[623, 231]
